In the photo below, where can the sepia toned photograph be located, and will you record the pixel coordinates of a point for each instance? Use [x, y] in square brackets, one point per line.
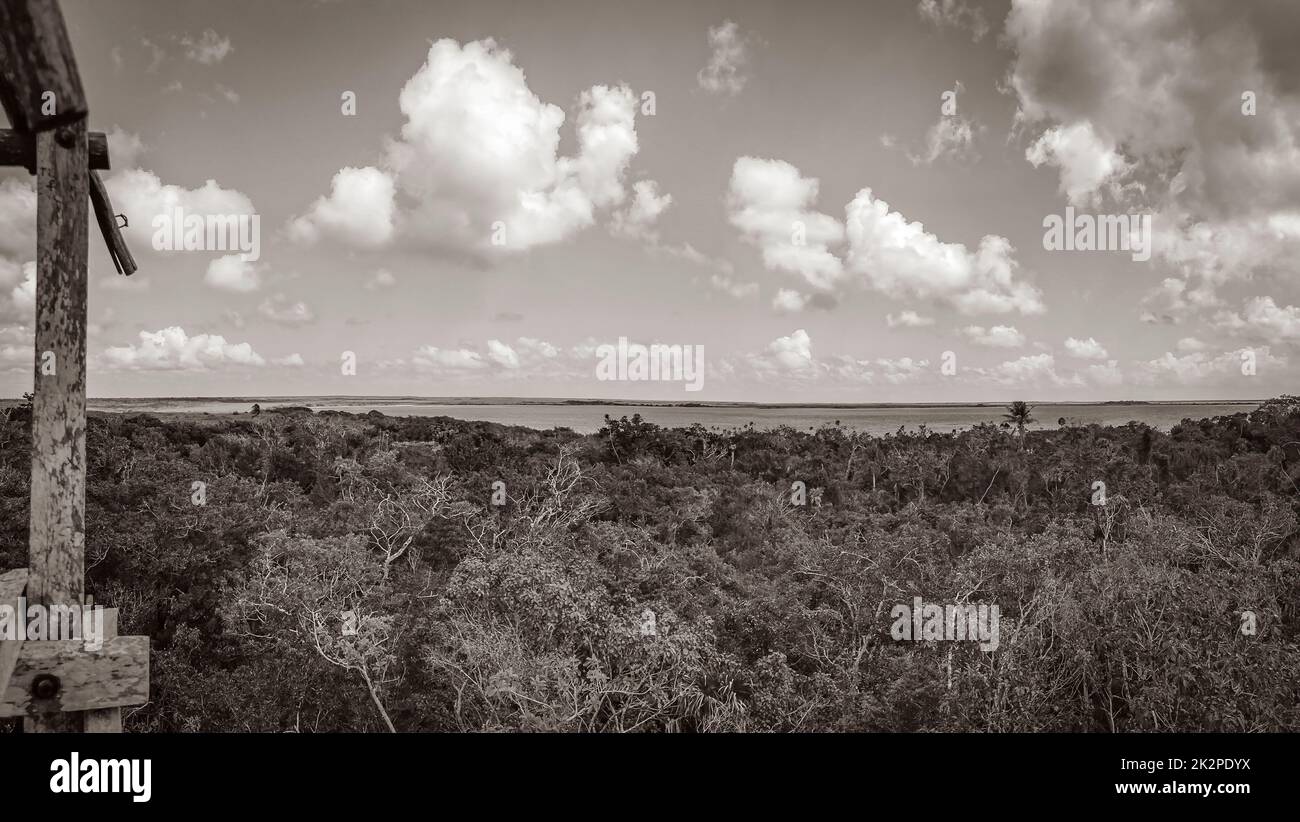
[417, 367]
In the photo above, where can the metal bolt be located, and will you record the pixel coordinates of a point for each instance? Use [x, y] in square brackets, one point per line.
[45, 686]
[65, 137]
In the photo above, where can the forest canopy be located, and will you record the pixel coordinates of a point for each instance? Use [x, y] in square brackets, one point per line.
[301, 571]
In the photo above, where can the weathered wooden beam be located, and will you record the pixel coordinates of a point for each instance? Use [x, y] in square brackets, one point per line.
[18, 148]
[115, 674]
[42, 86]
[108, 227]
[12, 585]
[56, 537]
[109, 720]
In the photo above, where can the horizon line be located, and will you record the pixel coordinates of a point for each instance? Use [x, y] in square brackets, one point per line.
[517, 400]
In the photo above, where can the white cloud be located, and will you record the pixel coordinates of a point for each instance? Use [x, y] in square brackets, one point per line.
[502, 354]
[1271, 321]
[432, 358]
[1088, 349]
[787, 356]
[1029, 371]
[17, 218]
[901, 369]
[1086, 162]
[382, 278]
[725, 72]
[209, 48]
[293, 360]
[281, 310]
[23, 295]
[477, 161]
[735, 288]
[1152, 92]
[901, 259]
[951, 136]
[479, 148]
[1107, 375]
[17, 291]
[531, 348]
[233, 273]
[1190, 344]
[637, 220]
[142, 196]
[526, 357]
[908, 319]
[124, 149]
[1199, 368]
[999, 336]
[788, 301]
[171, 349]
[359, 211]
[955, 13]
[771, 203]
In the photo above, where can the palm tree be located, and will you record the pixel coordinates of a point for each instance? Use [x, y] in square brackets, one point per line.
[1020, 413]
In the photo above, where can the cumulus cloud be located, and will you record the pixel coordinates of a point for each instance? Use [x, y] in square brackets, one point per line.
[1199, 368]
[476, 168]
[1106, 374]
[171, 349]
[638, 219]
[1085, 160]
[772, 205]
[17, 291]
[999, 336]
[1088, 349]
[908, 319]
[233, 273]
[1150, 93]
[527, 356]
[124, 149]
[787, 356]
[901, 259]
[789, 301]
[17, 218]
[1030, 371]
[1262, 318]
[358, 211]
[432, 358]
[725, 72]
[142, 196]
[957, 14]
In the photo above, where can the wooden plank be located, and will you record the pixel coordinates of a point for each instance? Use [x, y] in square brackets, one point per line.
[12, 585]
[109, 720]
[37, 56]
[114, 675]
[56, 539]
[18, 148]
[108, 227]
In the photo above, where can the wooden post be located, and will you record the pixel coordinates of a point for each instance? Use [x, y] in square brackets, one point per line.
[42, 96]
[56, 548]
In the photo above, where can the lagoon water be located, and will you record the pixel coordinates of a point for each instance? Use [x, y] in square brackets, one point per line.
[875, 420]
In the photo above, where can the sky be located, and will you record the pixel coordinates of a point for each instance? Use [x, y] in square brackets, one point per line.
[828, 201]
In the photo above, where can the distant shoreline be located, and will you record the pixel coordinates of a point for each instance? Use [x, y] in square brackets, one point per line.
[326, 400]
